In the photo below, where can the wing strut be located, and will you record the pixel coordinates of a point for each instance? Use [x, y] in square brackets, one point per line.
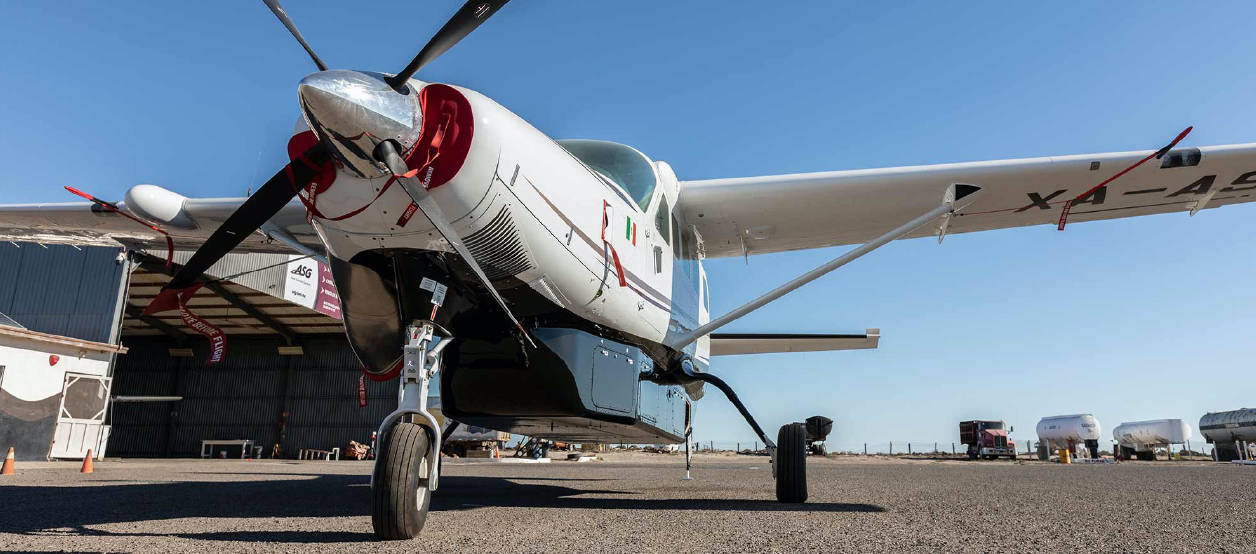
[957, 196]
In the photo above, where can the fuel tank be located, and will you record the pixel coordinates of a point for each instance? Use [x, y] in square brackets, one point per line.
[1229, 426]
[1142, 435]
[1077, 428]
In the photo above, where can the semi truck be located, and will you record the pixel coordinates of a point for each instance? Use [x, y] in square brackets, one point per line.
[986, 439]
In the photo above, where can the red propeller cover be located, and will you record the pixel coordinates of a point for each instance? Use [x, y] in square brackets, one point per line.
[447, 126]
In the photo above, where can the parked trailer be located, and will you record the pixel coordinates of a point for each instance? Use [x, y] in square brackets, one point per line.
[1068, 431]
[1231, 431]
[1140, 438]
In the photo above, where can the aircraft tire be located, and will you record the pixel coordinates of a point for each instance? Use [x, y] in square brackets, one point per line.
[791, 463]
[399, 492]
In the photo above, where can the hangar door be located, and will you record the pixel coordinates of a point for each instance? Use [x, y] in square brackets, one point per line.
[81, 420]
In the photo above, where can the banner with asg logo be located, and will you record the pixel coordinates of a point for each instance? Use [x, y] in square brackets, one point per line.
[309, 284]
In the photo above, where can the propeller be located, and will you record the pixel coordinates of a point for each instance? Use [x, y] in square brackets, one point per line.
[250, 216]
[387, 152]
[467, 18]
[284, 186]
[292, 28]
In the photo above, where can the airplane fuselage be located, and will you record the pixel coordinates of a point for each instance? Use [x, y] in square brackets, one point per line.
[574, 234]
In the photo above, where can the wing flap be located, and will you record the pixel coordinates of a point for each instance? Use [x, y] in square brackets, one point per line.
[730, 344]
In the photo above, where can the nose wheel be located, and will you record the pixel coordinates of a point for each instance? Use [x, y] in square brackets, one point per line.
[407, 470]
[399, 492]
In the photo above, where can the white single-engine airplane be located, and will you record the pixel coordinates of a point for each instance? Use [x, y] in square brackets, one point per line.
[558, 285]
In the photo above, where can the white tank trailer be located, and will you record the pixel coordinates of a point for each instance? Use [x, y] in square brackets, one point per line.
[1068, 431]
[1231, 431]
[1140, 438]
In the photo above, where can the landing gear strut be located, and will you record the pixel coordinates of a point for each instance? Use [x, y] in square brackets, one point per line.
[408, 466]
[688, 455]
[789, 453]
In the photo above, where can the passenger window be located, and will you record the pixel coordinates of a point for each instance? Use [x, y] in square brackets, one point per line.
[660, 219]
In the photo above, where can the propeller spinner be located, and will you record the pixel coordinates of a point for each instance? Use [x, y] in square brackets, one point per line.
[354, 112]
[362, 119]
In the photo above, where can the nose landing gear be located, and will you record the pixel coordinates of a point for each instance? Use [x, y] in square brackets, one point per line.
[407, 469]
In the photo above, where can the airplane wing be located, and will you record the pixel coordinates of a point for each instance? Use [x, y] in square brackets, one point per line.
[728, 344]
[83, 223]
[754, 215]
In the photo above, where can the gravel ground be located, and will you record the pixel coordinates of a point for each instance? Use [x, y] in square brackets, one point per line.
[637, 502]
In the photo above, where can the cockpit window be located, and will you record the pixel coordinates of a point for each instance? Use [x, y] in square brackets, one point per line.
[623, 165]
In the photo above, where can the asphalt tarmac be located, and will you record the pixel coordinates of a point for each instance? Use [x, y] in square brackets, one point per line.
[638, 503]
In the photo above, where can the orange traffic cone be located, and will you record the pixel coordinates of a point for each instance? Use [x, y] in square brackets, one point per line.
[87, 463]
[8, 463]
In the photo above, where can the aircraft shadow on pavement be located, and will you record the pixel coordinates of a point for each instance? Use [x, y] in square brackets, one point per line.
[76, 510]
[474, 492]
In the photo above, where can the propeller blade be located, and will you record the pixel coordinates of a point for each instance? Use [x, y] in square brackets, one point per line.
[283, 18]
[468, 17]
[251, 215]
[387, 150]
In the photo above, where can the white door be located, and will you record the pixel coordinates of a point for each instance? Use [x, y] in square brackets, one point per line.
[81, 420]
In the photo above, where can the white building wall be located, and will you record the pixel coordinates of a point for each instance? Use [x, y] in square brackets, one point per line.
[31, 383]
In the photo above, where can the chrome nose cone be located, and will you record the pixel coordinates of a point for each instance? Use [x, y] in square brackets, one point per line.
[352, 112]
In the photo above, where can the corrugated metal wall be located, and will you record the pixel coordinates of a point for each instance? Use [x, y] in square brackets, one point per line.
[261, 272]
[244, 397]
[61, 289]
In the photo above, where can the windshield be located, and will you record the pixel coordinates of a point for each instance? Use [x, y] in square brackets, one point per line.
[623, 165]
[992, 425]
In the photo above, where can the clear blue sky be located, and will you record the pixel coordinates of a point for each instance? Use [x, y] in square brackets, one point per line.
[1130, 319]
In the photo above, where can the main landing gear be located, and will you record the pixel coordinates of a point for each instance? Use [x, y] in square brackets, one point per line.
[407, 468]
[789, 452]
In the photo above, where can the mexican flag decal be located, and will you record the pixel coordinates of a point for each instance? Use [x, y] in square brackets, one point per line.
[630, 230]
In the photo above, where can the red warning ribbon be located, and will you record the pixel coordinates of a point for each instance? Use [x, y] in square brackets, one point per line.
[113, 208]
[1068, 206]
[619, 269]
[176, 299]
[327, 174]
[607, 246]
